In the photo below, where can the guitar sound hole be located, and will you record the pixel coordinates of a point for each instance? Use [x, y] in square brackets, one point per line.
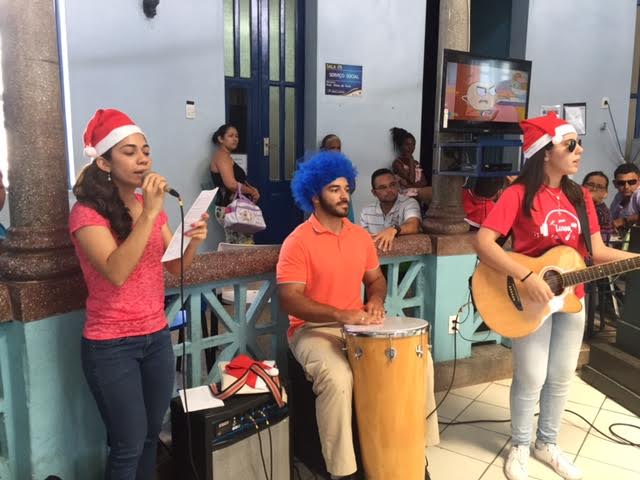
[554, 280]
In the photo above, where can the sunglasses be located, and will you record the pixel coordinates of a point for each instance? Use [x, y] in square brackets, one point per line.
[622, 183]
[572, 144]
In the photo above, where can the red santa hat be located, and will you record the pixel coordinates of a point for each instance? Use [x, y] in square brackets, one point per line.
[540, 131]
[105, 129]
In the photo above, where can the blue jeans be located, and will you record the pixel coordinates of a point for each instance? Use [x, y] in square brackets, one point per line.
[132, 380]
[543, 366]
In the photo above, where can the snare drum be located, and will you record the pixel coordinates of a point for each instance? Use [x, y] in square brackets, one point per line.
[389, 375]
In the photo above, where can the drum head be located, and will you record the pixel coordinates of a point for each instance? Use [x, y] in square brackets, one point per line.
[391, 327]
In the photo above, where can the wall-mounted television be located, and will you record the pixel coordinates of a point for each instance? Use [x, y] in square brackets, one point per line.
[483, 94]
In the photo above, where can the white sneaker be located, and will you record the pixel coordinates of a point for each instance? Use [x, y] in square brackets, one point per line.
[516, 466]
[552, 455]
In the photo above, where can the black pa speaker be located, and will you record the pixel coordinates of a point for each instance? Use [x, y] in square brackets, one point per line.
[226, 444]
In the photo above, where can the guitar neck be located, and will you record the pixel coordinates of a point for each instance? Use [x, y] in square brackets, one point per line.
[597, 272]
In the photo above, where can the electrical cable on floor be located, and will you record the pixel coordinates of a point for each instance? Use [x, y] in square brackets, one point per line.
[619, 439]
[615, 438]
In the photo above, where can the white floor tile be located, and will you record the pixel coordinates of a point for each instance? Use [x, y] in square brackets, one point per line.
[497, 473]
[505, 382]
[571, 438]
[588, 412]
[493, 473]
[495, 395]
[445, 464]
[585, 394]
[594, 470]
[473, 442]
[471, 391]
[452, 405]
[604, 451]
[485, 411]
[606, 418]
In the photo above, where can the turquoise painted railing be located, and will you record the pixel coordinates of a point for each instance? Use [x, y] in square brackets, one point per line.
[218, 331]
[6, 419]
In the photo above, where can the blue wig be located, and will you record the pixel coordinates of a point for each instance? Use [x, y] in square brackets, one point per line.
[318, 172]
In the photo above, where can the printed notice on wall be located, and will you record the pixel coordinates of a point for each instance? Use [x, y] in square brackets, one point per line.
[343, 80]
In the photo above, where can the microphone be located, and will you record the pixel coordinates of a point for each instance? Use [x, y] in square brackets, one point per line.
[171, 191]
[167, 188]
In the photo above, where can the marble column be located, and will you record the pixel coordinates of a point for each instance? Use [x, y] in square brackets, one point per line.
[37, 247]
[445, 214]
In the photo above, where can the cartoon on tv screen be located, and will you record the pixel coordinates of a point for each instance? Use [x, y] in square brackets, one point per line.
[485, 92]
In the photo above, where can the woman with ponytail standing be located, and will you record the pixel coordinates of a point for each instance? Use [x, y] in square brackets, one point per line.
[120, 237]
[228, 176]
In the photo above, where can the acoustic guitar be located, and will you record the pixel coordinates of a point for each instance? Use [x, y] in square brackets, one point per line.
[505, 305]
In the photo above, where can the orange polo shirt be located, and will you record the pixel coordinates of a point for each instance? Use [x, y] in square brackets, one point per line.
[330, 266]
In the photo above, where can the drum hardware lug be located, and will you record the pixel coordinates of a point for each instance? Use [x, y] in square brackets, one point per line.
[358, 353]
[391, 353]
[419, 351]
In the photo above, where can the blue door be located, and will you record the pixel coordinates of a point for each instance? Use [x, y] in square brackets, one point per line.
[264, 67]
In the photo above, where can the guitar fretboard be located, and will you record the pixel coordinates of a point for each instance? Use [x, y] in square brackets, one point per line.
[597, 272]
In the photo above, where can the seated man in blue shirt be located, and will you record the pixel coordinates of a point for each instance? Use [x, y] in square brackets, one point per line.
[392, 214]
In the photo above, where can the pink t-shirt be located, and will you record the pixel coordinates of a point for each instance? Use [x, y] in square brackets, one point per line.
[553, 221]
[135, 308]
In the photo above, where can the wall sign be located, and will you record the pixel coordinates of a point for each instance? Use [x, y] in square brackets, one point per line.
[343, 80]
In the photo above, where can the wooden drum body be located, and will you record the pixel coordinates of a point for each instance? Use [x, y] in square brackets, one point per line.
[389, 374]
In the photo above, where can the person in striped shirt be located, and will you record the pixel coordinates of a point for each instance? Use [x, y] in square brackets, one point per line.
[391, 214]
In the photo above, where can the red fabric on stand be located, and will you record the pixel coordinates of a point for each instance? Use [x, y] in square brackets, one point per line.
[240, 364]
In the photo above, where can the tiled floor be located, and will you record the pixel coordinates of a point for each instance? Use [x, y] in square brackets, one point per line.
[478, 451]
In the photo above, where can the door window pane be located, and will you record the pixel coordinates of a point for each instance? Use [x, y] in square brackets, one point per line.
[239, 116]
[274, 40]
[229, 51]
[289, 132]
[290, 41]
[245, 38]
[274, 133]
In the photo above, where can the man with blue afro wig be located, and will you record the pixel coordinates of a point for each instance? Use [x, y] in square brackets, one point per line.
[316, 173]
[322, 267]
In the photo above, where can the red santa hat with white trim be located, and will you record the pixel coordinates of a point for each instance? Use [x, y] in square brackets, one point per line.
[540, 131]
[106, 128]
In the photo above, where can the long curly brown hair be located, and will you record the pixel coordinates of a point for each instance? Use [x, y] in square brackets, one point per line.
[94, 189]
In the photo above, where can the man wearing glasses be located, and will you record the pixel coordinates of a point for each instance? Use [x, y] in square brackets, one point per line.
[392, 214]
[625, 206]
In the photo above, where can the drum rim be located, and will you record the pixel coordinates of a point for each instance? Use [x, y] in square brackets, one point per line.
[409, 332]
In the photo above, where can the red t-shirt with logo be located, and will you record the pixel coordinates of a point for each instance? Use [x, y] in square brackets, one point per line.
[553, 221]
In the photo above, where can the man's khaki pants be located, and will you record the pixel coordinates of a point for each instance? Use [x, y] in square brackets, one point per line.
[319, 350]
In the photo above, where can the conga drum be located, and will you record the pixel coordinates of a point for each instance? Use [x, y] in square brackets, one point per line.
[389, 375]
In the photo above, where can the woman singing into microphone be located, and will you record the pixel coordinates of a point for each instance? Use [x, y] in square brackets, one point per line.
[120, 237]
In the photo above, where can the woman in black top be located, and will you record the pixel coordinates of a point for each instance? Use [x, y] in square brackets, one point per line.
[228, 176]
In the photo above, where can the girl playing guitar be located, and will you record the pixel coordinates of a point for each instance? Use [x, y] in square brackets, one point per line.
[539, 209]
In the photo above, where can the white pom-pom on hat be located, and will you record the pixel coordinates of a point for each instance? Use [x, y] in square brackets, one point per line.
[90, 152]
